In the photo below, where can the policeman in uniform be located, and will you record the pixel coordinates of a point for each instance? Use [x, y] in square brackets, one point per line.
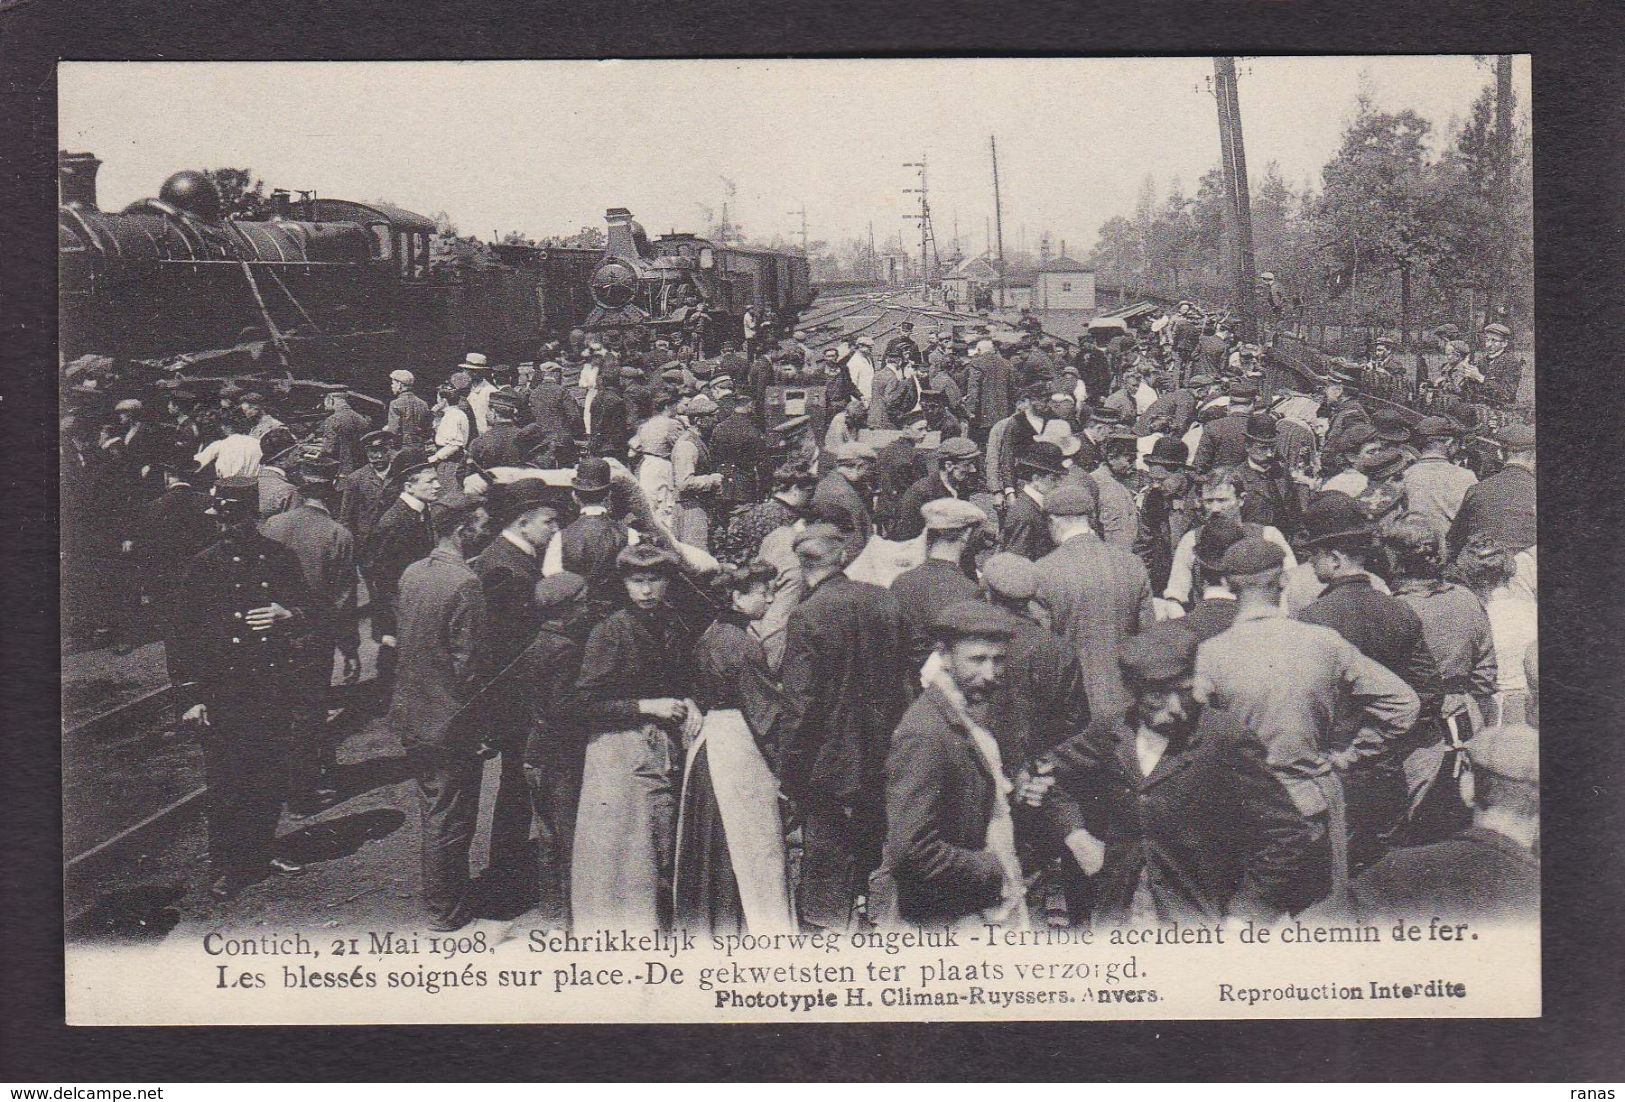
[233, 644]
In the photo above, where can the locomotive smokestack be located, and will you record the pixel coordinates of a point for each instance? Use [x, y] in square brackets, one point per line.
[76, 179]
[626, 237]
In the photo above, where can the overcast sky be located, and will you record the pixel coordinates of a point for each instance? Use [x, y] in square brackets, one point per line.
[544, 147]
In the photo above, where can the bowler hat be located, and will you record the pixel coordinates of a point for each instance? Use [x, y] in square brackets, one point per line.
[592, 473]
[317, 471]
[1261, 428]
[1168, 451]
[1333, 515]
[1043, 456]
[404, 464]
[968, 619]
[1162, 652]
[511, 500]
[276, 444]
[1383, 465]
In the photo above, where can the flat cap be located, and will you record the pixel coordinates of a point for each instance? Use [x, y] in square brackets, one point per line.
[701, 405]
[128, 405]
[511, 500]
[317, 470]
[1516, 437]
[969, 619]
[815, 533]
[852, 450]
[1431, 428]
[402, 376]
[1333, 515]
[1251, 555]
[591, 474]
[1162, 652]
[1383, 464]
[1511, 751]
[1391, 425]
[557, 589]
[1261, 428]
[957, 448]
[1073, 499]
[948, 514]
[1009, 575]
[1242, 388]
[642, 558]
[1499, 330]
[1200, 381]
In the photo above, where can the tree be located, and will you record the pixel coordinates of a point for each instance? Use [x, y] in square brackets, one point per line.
[242, 196]
[1118, 257]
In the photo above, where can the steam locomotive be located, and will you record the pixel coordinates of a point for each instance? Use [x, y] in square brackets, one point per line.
[345, 291]
[658, 285]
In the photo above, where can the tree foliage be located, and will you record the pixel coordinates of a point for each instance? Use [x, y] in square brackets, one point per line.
[242, 195]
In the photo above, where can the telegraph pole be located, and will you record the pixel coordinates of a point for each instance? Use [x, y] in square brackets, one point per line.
[1236, 196]
[803, 213]
[927, 237]
[1503, 172]
[998, 213]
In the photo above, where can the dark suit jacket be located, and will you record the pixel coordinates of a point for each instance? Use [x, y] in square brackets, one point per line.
[1212, 827]
[610, 429]
[991, 394]
[922, 592]
[898, 466]
[939, 800]
[402, 537]
[362, 503]
[1385, 629]
[1043, 701]
[1479, 874]
[1025, 531]
[410, 420]
[444, 653]
[326, 553]
[554, 411]
[843, 677]
[907, 520]
[1502, 506]
[1223, 443]
[1210, 617]
[172, 528]
[840, 502]
[589, 545]
[341, 438]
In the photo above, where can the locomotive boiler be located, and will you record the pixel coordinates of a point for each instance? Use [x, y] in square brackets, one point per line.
[659, 284]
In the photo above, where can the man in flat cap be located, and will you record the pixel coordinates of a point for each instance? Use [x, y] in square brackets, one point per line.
[502, 443]
[845, 495]
[1095, 594]
[1501, 368]
[1502, 507]
[327, 555]
[403, 535]
[232, 646]
[445, 656]
[1488, 873]
[553, 412]
[1024, 529]
[1113, 472]
[845, 664]
[362, 494]
[1224, 442]
[409, 416]
[739, 450]
[693, 471]
[990, 390]
[950, 836]
[1200, 828]
[939, 581]
[958, 460]
[528, 514]
[1327, 714]
[1435, 485]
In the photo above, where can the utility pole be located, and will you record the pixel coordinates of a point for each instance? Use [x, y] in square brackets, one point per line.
[928, 241]
[874, 264]
[803, 213]
[998, 213]
[1236, 195]
[1503, 172]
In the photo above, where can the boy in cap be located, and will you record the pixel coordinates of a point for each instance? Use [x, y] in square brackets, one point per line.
[231, 647]
[950, 836]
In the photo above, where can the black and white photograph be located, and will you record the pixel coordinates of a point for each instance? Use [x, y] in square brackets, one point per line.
[964, 539]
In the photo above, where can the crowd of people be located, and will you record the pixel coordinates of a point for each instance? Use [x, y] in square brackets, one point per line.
[1001, 629]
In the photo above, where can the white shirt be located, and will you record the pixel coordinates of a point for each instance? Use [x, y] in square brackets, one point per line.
[479, 400]
[451, 432]
[413, 503]
[1180, 574]
[520, 542]
[586, 409]
[861, 370]
[234, 456]
[1148, 749]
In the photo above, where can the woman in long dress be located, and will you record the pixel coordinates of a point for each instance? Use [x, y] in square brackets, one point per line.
[631, 698]
[732, 873]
